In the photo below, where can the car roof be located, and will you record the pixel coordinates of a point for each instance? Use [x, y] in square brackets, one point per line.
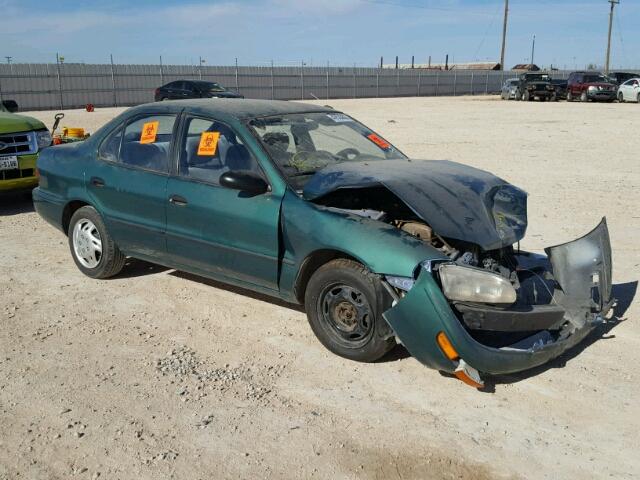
[230, 107]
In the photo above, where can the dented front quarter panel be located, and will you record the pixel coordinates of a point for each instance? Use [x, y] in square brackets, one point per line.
[308, 228]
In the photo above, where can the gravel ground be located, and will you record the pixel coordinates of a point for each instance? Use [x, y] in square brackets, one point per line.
[162, 374]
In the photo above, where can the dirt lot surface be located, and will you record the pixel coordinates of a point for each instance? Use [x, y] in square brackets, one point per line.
[160, 374]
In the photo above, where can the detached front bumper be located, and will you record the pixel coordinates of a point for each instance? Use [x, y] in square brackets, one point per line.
[582, 270]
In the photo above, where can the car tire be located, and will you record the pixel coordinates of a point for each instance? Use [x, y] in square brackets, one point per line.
[517, 96]
[344, 304]
[620, 97]
[638, 98]
[569, 97]
[525, 96]
[584, 97]
[92, 248]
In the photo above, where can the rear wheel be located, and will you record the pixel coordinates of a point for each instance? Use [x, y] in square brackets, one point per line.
[344, 304]
[569, 97]
[526, 96]
[92, 248]
[638, 98]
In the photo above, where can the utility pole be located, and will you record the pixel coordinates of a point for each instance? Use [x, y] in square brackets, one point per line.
[8, 60]
[606, 65]
[504, 33]
[533, 50]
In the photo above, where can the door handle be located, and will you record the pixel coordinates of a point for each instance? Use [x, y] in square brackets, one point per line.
[97, 182]
[178, 200]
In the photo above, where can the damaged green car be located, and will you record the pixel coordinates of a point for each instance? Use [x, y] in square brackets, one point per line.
[304, 203]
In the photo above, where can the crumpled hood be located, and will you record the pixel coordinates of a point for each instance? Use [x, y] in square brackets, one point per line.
[11, 123]
[457, 201]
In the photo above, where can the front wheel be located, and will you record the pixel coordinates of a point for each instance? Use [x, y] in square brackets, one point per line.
[569, 97]
[584, 97]
[92, 248]
[620, 97]
[344, 304]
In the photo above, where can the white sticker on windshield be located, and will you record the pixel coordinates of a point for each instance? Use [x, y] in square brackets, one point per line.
[339, 117]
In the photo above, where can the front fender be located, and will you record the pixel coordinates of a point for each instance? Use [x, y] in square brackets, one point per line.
[382, 248]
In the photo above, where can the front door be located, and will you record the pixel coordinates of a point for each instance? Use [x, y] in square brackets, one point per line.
[128, 182]
[216, 230]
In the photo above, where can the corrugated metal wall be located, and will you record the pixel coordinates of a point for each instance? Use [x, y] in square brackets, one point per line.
[51, 86]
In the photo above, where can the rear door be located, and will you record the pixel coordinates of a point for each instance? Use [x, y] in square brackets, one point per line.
[213, 229]
[129, 180]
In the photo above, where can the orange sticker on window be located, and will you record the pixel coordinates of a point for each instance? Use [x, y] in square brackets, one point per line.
[379, 141]
[208, 143]
[149, 132]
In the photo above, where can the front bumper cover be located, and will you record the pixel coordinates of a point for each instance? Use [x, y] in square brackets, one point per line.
[582, 269]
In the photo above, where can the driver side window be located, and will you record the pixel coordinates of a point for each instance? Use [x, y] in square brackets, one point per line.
[211, 148]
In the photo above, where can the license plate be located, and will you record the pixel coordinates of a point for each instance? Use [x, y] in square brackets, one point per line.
[8, 163]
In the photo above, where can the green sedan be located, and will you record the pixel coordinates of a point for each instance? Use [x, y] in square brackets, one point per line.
[306, 204]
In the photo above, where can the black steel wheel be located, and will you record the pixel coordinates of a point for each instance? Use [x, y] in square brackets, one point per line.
[344, 303]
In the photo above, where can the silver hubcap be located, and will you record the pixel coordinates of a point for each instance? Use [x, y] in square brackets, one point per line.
[87, 244]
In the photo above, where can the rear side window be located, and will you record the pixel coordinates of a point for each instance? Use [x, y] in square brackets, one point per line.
[144, 143]
[211, 148]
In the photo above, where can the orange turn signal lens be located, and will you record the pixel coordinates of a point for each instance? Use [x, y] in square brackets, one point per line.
[446, 347]
[465, 378]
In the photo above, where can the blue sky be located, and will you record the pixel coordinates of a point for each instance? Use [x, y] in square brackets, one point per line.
[568, 33]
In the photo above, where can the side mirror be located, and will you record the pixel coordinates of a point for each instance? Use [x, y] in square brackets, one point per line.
[10, 105]
[245, 181]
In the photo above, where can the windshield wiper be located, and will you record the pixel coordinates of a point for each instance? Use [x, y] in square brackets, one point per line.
[303, 173]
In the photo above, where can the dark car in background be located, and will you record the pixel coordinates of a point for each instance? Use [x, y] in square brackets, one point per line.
[620, 77]
[561, 88]
[185, 89]
[535, 85]
[590, 86]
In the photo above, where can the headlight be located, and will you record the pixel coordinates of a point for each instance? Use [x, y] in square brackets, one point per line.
[468, 284]
[43, 138]
[592, 88]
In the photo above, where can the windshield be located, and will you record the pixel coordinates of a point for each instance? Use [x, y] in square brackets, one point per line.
[543, 77]
[210, 87]
[595, 79]
[301, 144]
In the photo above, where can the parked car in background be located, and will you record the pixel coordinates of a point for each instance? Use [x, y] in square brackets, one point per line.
[629, 91]
[561, 88]
[509, 89]
[534, 85]
[185, 89]
[304, 203]
[587, 86]
[620, 77]
[21, 138]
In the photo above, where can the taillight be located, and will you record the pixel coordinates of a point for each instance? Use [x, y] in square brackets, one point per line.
[157, 91]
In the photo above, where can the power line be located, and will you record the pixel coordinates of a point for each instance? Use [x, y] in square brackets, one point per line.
[425, 7]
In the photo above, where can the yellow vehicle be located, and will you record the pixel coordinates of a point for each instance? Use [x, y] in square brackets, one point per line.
[21, 138]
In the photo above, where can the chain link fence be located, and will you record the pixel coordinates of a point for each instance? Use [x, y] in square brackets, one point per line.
[63, 86]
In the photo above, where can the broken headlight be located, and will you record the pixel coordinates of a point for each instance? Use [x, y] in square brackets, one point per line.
[467, 284]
